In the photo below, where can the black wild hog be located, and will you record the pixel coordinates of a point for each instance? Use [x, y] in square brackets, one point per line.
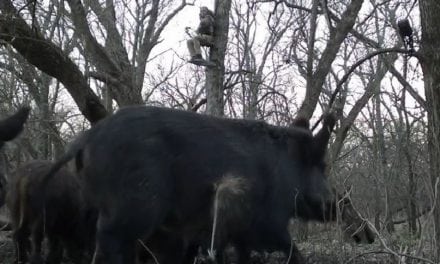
[156, 173]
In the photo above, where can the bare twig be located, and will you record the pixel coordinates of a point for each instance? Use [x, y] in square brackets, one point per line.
[149, 251]
[389, 253]
[388, 250]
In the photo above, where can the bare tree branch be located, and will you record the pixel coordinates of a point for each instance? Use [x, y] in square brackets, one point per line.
[50, 59]
[328, 55]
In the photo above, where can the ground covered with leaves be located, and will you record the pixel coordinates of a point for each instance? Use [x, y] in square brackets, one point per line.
[314, 251]
[6, 248]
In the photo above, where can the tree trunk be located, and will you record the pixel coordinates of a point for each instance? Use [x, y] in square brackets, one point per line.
[44, 116]
[382, 162]
[430, 51]
[251, 106]
[215, 75]
[412, 188]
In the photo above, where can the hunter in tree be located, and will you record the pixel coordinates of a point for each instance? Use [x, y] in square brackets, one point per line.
[204, 36]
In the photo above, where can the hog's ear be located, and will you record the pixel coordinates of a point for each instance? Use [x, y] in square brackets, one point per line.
[322, 137]
[13, 125]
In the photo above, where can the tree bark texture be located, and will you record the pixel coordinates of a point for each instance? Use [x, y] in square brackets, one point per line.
[430, 51]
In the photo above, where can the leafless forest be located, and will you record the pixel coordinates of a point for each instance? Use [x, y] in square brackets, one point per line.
[76, 61]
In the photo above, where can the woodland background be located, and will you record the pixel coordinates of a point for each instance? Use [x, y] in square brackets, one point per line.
[77, 61]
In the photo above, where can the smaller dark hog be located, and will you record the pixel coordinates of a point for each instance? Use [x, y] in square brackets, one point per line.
[55, 210]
